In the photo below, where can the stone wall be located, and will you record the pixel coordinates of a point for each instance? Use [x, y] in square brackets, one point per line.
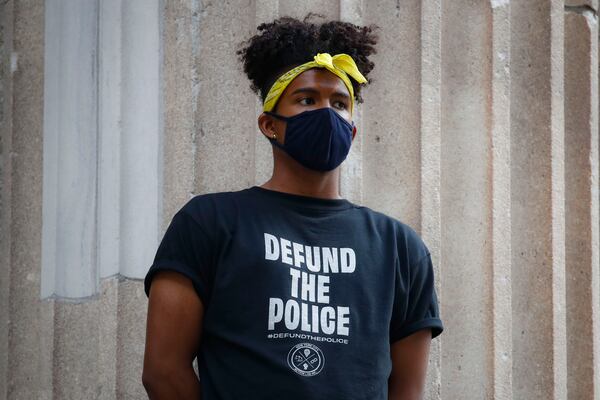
[480, 130]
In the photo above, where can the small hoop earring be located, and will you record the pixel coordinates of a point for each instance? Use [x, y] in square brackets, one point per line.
[274, 136]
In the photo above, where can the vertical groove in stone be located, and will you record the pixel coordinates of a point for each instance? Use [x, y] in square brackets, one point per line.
[430, 121]
[25, 378]
[225, 117]
[351, 179]
[6, 95]
[500, 215]
[581, 199]
[466, 191]
[391, 150]
[537, 213]
[557, 182]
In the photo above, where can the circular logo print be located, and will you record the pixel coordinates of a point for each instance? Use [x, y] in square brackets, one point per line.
[306, 359]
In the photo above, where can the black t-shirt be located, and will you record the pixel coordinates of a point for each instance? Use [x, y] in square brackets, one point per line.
[303, 296]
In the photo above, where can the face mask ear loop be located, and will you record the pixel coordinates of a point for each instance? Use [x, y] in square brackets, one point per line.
[274, 141]
[279, 117]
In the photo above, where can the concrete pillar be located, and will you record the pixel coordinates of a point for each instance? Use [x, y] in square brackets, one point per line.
[465, 194]
[480, 131]
[537, 200]
[225, 124]
[6, 104]
[475, 196]
[266, 11]
[430, 121]
[500, 197]
[180, 94]
[26, 319]
[581, 201]
[392, 113]
[351, 176]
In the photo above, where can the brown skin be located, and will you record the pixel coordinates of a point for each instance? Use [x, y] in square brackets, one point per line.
[326, 90]
[175, 313]
[409, 366]
[173, 334]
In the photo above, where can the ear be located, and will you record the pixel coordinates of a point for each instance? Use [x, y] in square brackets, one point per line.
[266, 125]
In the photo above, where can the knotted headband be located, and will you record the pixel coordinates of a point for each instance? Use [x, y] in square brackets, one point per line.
[341, 64]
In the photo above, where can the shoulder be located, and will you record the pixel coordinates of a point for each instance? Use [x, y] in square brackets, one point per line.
[203, 218]
[210, 202]
[401, 235]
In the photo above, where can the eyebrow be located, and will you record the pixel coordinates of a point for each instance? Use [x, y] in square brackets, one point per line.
[315, 91]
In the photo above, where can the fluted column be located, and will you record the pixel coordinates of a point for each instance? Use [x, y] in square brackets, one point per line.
[537, 200]
[581, 201]
[479, 130]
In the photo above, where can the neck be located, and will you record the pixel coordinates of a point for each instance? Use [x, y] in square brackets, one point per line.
[291, 177]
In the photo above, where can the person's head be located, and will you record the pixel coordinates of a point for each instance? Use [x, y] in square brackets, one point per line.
[287, 43]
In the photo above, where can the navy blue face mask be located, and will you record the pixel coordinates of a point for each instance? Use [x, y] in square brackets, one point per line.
[318, 139]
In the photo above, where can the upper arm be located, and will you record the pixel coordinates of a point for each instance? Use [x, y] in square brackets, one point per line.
[410, 357]
[174, 323]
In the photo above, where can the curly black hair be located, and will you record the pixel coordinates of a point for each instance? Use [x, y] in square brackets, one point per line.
[288, 42]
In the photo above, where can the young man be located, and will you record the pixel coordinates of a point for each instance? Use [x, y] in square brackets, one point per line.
[287, 290]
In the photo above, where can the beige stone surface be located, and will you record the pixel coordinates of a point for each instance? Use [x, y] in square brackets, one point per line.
[480, 130]
[225, 124]
[131, 312]
[76, 350]
[537, 200]
[430, 169]
[180, 101]
[266, 10]
[391, 113]
[581, 202]
[500, 142]
[465, 192]
[6, 35]
[351, 176]
[26, 374]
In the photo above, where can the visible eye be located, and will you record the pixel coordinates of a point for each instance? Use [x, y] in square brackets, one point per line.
[306, 101]
[340, 104]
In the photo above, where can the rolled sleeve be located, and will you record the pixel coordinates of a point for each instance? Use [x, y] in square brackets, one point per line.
[184, 248]
[417, 308]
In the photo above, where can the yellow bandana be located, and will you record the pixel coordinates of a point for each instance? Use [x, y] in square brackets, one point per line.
[341, 64]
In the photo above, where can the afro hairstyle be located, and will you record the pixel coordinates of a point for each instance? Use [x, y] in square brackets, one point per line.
[288, 42]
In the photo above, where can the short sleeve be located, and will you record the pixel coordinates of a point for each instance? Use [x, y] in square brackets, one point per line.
[415, 302]
[185, 248]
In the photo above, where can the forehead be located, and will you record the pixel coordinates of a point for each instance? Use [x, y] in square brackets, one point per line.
[318, 78]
